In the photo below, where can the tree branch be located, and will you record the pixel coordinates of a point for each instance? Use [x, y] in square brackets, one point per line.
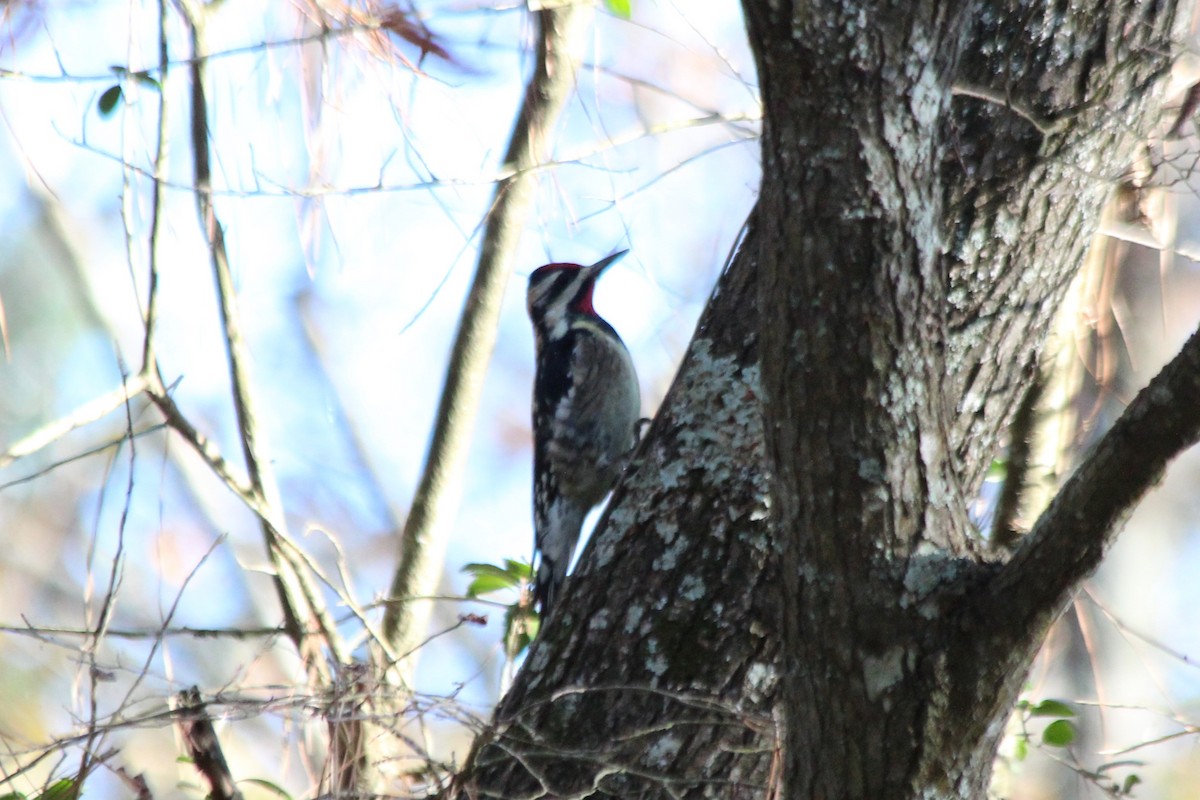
[427, 527]
[1069, 539]
[89, 412]
[298, 596]
[149, 360]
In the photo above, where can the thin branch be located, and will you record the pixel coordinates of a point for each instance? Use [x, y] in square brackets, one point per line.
[371, 483]
[1069, 539]
[100, 448]
[298, 596]
[738, 123]
[107, 608]
[160, 162]
[321, 37]
[43, 634]
[203, 446]
[1046, 127]
[89, 412]
[428, 524]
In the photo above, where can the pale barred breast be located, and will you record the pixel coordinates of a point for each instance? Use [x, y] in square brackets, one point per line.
[597, 426]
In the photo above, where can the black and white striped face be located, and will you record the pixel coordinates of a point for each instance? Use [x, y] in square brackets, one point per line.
[557, 290]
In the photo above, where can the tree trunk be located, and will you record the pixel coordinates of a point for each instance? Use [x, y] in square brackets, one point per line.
[786, 590]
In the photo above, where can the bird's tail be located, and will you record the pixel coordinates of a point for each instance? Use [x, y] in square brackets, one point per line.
[555, 546]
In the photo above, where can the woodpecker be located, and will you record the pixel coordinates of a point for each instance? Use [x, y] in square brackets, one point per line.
[586, 406]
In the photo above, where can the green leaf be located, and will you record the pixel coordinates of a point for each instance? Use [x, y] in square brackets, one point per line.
[521, 569]
[1059, 733]
[65, 789]
[489, 578]
[535, 625]
[1022, 749]
[997, 470]
[1130, 782]
[483, 569]
[273, 788]
[620, 8]
[108, 101]
[485, 584]
[1052, 708]
[141, 76]
[12, 796]
[145, 80]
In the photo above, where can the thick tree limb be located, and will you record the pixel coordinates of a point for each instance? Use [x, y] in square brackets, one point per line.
[1057, 104]
[853, 312]
[1069, 539]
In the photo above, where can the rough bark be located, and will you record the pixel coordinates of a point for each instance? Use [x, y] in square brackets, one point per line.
[787, 590]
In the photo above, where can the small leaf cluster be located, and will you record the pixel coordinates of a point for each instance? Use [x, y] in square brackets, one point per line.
[1061, 732]
[65, 789]
[620, 8]
[114, 95]
[521, 622]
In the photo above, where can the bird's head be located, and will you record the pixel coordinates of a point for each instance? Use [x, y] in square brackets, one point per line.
[557, 290]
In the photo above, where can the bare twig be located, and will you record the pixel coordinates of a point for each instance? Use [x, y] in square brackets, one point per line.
[299, 597]
[85, 414]
[363, 24]
[1044, 126]
[427, 527]
[160, 160]
[135, 782]
[44, 633]
[108, 605]
[738, 123]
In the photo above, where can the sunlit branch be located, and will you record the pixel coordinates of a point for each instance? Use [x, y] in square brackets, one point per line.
[89, 412]
[428, 524]
[42, 633]
[88, 758]
[110, 444]
[299, 598]
[160, 162]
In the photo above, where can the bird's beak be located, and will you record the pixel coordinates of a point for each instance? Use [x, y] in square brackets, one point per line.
[593, 272]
